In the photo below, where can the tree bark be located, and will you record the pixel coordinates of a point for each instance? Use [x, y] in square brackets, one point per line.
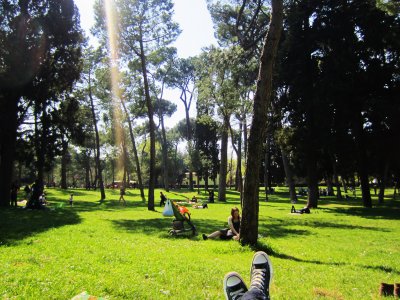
[362, 162]
[187, 105]
[99, 175]
[152, 128]
[8, 135]
[135, 154]
[266, 173]
[312, 184]
[289, 177]
[40, 146]
[262, 98]
[224, 161]
[336, 178]
[382, 183]
[164, 154]
[239, 177]
[329, 185]
[87, 172]
[64, 161]
[238, 151]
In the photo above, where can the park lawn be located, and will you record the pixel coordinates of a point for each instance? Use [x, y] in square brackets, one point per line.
[339, 251]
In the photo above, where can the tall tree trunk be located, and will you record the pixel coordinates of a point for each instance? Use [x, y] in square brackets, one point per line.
[239, 177]
[40, 146]
[224, 161]
[164, 154]
[152, 129]
[64, 162]
[164, 146]
[245, 137]
[329, 185]
[125, 161]
[312, 183]
[345, 185]
[262, 98]
[87, 172]
[99, 176]
[238, 151]
[382, 183]
[187, 103]
[135, 154]
[362, 162]
[336, 178]
[8, 136]
[289, 177]
[266, 159]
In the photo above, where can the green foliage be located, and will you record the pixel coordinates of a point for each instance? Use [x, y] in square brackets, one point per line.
[339, 251]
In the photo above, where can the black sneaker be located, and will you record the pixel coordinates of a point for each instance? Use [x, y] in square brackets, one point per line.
[204, 237]
[261, 273]
[234, 287]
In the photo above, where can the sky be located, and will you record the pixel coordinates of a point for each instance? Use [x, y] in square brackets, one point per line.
[192, 16]
[197, 32]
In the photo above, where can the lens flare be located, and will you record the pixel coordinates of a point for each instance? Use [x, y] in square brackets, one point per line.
[112, 31]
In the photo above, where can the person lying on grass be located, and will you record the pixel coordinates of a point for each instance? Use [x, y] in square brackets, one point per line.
[233, 232]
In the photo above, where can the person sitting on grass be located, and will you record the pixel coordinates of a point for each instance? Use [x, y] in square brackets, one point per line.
[233, 232]
[200, 206]
[304, 210]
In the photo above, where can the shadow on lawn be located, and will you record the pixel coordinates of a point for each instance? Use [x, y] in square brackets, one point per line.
[18, 223]
[383, 212]
[161, 225]
[278, 228]
[273, 253]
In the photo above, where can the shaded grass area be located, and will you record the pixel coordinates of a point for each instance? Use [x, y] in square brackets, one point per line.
[339, 251]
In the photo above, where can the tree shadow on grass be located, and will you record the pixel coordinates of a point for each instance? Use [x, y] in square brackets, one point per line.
[383, 212]
[17, 223]
[271, 252]
[278, 228]
[106, 205]
[160, 226]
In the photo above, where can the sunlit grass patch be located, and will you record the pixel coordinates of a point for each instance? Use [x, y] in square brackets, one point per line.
[339, 251]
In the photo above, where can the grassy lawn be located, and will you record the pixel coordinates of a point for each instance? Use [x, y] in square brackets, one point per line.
[339, 251]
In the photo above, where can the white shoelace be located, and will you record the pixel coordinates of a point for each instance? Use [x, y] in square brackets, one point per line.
[237, 294]
[258, 278]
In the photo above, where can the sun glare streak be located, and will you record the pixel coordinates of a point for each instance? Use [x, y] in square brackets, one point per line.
[113, 47]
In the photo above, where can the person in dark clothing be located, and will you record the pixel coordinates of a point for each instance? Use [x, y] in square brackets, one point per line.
[211, 196]
[14, 194]
[121, 195]
[163, 199]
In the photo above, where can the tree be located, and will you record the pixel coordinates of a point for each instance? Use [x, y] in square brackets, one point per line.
[73, 121]
[40, 53]
[143, 28]
[164, 60]
[217, 74]
[241, 24]
[92, 59]
[338, 78]
[183, 77]
[262, 98]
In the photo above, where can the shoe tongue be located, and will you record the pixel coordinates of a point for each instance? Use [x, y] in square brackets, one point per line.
[259, 266]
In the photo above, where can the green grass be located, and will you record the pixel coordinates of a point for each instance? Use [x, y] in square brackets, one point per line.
[339, 251]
